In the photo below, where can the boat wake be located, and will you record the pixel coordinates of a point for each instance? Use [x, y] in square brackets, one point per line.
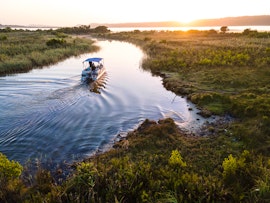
[98, 85]
[48, 114]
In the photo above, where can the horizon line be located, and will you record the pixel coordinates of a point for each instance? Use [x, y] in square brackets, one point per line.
[177, 23]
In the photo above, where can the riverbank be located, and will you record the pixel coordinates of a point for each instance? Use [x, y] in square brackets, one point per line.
[156, 163]
[22, 51]
[223, 75]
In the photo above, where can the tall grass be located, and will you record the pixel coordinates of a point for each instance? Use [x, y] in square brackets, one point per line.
[159, 164]
[24, 50]
[222, 74]
[216, 71]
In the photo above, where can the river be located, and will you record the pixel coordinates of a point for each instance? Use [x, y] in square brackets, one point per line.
[47, 114]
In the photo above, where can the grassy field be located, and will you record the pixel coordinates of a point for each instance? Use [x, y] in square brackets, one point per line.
[22, 51]
[224, 74]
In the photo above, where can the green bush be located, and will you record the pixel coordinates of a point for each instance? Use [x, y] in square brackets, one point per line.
[216, 103]
[244, 173]
[9, 169]
[176, 160]
[9, 179]
[81, 185]
[3, 37]
[56, 43]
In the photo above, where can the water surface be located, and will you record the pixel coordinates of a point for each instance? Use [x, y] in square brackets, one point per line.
[48, 114]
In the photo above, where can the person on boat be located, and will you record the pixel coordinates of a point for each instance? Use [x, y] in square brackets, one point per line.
[90, 64]
[89, 68]
[93, 67]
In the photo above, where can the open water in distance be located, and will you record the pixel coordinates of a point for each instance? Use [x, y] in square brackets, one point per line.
[47, 114]
[236, 29]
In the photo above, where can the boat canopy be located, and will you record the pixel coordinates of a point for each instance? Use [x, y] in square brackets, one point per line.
[96, 59]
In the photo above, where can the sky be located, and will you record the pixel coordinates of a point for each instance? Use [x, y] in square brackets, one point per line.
[85, 12]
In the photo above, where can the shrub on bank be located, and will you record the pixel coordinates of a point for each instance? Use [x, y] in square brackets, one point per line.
[219, 104]
[56, 43]
[9, 177]
[185, 169]
[213, 168]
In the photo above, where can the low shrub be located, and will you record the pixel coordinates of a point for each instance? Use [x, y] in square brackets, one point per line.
[56, 42]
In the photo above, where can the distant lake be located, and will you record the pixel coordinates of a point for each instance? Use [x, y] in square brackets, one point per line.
[32, 28]
[231, 28]
[127, 29]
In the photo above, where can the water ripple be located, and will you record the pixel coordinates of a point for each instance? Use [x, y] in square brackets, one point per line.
[49, 114]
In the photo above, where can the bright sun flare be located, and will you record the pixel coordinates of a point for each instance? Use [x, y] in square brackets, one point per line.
[70, 13]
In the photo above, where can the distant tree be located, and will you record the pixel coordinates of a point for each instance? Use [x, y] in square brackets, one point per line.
[6, 29]
[246, 31]
[224, 29]
[101, 29]
[82, 29]
[212, 31]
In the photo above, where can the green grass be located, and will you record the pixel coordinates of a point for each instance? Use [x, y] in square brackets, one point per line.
[22, 51]
[157, 163]
[214, 70]
[224, 74]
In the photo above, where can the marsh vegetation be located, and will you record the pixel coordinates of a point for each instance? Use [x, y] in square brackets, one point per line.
[225, 74]
[22, 50]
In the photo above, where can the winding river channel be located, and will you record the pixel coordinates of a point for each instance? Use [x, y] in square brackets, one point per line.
[47, 114]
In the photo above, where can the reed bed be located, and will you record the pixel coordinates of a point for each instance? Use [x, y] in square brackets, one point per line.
[216, 71]
[229, 161]
[22, 51]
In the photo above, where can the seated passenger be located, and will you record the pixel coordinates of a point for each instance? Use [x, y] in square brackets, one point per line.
[93, 67]
[90, 64]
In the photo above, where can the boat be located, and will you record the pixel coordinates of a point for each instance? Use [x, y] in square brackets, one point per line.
[93, 69]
